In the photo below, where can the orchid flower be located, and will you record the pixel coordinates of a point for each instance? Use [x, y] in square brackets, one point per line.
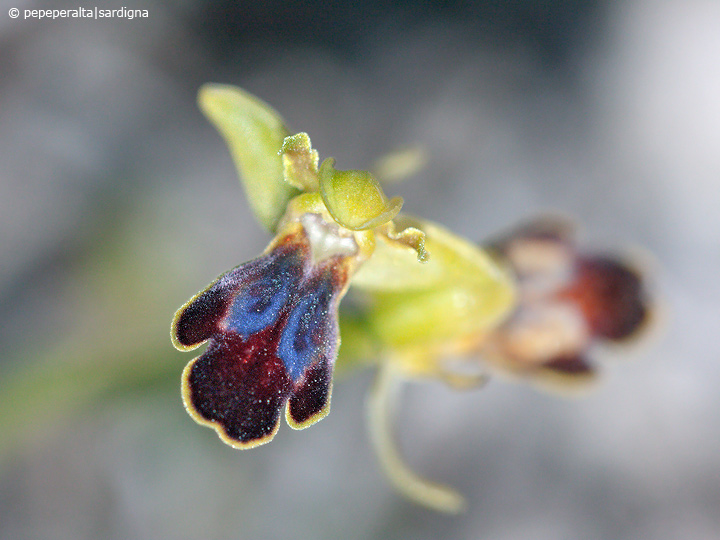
[527, 304]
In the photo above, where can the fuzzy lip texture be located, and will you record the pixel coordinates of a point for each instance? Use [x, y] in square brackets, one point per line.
[272, 326]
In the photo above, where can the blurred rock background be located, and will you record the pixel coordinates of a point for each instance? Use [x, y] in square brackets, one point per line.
[118, 202]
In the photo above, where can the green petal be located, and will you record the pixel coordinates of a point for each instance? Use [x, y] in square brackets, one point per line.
[397, 262]
[254, 133]
[355, 199]
[300, 162]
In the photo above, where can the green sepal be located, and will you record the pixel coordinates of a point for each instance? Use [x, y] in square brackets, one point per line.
[355, 199]
[254, 133]
[458, 294]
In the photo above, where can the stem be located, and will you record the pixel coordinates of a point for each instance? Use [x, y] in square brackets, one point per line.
[381, 407]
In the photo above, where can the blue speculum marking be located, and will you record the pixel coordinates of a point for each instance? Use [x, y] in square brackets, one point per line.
[258, 304]
[273, 330]
[306, 333]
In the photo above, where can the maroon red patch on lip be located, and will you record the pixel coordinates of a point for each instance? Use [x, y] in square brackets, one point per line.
[200, 319]
[313, 394]
[272, 327]
[610, 295]
[240, 386]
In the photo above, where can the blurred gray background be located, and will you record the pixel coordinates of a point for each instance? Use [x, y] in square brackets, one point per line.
[118, 201]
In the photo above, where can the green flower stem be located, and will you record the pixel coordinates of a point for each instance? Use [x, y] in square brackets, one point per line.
[381, 407]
